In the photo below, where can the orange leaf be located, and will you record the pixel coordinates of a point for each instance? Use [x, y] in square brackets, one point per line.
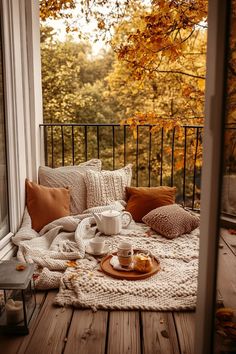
[20, 267]
[71, 264]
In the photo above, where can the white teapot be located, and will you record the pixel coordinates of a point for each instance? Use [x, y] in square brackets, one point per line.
[110, 222]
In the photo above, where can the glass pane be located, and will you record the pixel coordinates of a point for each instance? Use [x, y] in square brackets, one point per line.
[4, 224]
[225, 319]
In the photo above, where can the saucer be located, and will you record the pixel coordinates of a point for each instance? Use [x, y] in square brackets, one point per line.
[89, 250]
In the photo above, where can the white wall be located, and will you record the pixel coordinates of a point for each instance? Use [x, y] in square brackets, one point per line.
[23, 110]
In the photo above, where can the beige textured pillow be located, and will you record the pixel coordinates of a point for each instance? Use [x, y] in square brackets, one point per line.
[106, 187]
[171, 221]
[71, 177]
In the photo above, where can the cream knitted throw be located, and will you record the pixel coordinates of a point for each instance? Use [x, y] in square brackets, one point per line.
[173, 288]
[57, 244]
[83, 285]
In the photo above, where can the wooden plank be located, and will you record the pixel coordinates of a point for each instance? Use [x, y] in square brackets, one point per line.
[124, 333]
[87, 333]
[50, 330]
[226, 279]
[159, 334]
[11, 344]
[229, 239]
[185, 327]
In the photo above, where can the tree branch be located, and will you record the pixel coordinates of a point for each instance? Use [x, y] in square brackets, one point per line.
[181, 73]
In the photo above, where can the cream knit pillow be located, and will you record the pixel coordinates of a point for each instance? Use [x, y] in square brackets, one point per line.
[106, 187]
[71, 177]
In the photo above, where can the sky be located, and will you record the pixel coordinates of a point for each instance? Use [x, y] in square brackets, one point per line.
[87, 28]
[61, 34]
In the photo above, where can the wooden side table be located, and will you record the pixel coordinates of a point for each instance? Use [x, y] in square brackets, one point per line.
[18, 297]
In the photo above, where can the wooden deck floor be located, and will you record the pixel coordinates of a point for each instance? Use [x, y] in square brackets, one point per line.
[68, 331]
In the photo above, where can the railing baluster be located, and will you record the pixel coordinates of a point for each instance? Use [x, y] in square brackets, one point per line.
[113, 147]
[62, 146]
[195, 170]
[149, 156]
[53, 156]
[45, 130]
[52, 142]
[98, 145]
[162, 142]
[124, 145]
[73, 145]
[86, 142]
[185, 155]
[137, 151]
[172, 158]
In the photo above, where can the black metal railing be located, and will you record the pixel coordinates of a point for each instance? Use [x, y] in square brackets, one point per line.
[159, 157]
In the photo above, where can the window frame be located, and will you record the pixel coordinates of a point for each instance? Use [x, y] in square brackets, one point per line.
[23, 101]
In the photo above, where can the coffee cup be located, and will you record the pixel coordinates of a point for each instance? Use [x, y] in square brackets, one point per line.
[97, 245]
[125, 253]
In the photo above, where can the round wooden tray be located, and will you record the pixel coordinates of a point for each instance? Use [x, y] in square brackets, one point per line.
[132, 275]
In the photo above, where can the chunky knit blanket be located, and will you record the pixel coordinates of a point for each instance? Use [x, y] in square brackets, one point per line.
[59, 253]
[173, 288]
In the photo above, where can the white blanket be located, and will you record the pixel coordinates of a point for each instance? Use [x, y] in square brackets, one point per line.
[56, 244]
[61, 262]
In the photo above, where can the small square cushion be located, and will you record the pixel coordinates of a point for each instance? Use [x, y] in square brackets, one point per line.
[46, 204]
[70, 177]
[106, 187]
[171, 221]
[141, 200]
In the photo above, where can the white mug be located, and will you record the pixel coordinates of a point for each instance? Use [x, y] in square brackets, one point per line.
[125, 249]
[125, 253]
[97, 244]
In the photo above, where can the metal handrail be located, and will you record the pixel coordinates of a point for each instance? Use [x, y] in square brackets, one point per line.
[72, 143]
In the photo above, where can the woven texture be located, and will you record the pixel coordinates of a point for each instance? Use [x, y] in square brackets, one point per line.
[171, 221]
[72, 177]
[173, 288]
[106, 187]
[59, 243]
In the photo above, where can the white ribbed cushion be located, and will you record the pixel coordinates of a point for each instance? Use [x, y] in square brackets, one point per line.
[171, 220]
[71, 177]
[106, 187]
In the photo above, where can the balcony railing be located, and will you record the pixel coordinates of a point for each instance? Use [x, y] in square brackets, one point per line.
[159, 157]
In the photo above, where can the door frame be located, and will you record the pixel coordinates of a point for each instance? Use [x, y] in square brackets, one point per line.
[218, 11]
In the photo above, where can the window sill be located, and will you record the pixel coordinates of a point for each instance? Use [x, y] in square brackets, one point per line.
[5, 240]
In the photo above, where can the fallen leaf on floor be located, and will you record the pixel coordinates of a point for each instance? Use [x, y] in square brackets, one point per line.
[232, 231]
[164, 334]
[225, 314]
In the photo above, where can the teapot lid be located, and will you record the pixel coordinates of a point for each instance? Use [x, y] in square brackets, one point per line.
[110, 213]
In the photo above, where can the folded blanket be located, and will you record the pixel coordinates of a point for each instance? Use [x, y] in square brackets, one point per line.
[56, 244]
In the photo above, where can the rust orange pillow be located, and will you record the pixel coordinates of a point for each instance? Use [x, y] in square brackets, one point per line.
[46, 204]
[141, 200]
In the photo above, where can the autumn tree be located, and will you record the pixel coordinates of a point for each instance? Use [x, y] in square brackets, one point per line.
[161, 41]
[158, 74]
